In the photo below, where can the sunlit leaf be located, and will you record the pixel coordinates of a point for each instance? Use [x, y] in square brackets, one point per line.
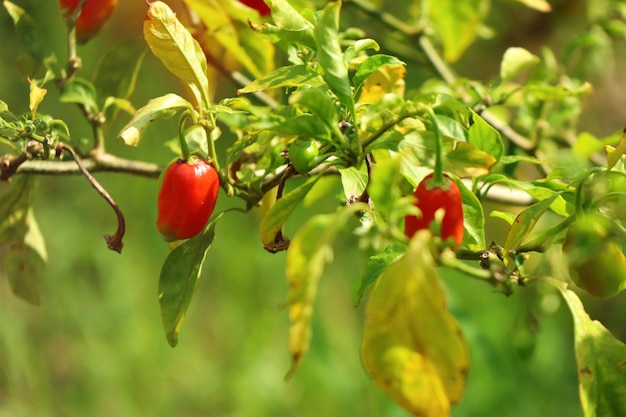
[290, 76]
[376, 81]
[354, 180]
[36, 97]
[291, 25]
[157, 108]
[330, 54]
[457, 24]
[515, 61]
[541, 5]
[601, 360]
[466, 160]
[474, 219]
[357, 47]
[179, 279]
[372, 63]
[172, 43]
[310, 250]
[277, 215]
[614, 154]
[412, 346]
[485, 137]
[222, 29]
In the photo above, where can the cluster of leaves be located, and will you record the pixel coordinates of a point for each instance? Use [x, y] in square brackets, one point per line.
[338, 91]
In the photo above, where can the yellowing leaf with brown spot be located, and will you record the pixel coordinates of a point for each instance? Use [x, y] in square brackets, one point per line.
[412, 346]
[386, 79]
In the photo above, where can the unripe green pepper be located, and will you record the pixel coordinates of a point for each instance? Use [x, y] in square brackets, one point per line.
[186, 198]
[596, 263]
[303, 154]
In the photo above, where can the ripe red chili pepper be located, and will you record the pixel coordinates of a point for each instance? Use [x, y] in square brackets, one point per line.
[187, 198]
[92, 17]
[431, 198]
[258, 5]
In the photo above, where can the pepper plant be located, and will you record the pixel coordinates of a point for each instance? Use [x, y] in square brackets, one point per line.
[321, 102]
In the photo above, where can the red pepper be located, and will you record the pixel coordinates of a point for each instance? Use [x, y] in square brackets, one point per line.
[92, 17]
[430, 198]
[187, 198]
[258, 5]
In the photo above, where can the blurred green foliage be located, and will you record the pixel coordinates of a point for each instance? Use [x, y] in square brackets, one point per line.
[95, 346]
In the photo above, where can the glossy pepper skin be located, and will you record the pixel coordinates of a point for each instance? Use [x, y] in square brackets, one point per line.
[302, 154]
[431, 198]
[258, 5]
[187, 198]
[92, 17]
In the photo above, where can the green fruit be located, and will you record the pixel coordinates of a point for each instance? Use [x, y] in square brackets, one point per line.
[596, 263]
[303, 154]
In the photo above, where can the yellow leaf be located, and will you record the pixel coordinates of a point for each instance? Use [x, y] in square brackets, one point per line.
[614, 154]
[172, 43]
[36, 97]
[386, 79]
[412, 346]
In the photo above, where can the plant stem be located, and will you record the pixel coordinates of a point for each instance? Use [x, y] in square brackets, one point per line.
[113, 242]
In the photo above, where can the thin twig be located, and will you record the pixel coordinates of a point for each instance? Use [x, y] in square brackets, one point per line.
[113, 242]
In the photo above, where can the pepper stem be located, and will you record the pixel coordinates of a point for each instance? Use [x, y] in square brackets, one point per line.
[438, 179]
[184, 147]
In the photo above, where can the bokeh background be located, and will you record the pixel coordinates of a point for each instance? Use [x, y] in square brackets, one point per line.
[95, 346]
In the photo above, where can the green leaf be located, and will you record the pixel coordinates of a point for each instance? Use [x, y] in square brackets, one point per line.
[25, 261]
[515, 61]
[179, 279]
[284, 77]
[14, 207]
[82, 92]
[29, 34]
[524, 223]
[457, 23]
[357, 47]
[291, 25]
[354, 181]
[319, 104]
[118, 69]
[412, 346]
[370, 65]
[468, 161]
[309, 251]
[172, 43]
[376, 265]
[474, 219]
[485, 137]
[157, 108]
[330, 55]
[277, 215]
[601, 360]
[306, 126]
[26, 254]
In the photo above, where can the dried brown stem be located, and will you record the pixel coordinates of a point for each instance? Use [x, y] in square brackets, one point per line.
[113, 242]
